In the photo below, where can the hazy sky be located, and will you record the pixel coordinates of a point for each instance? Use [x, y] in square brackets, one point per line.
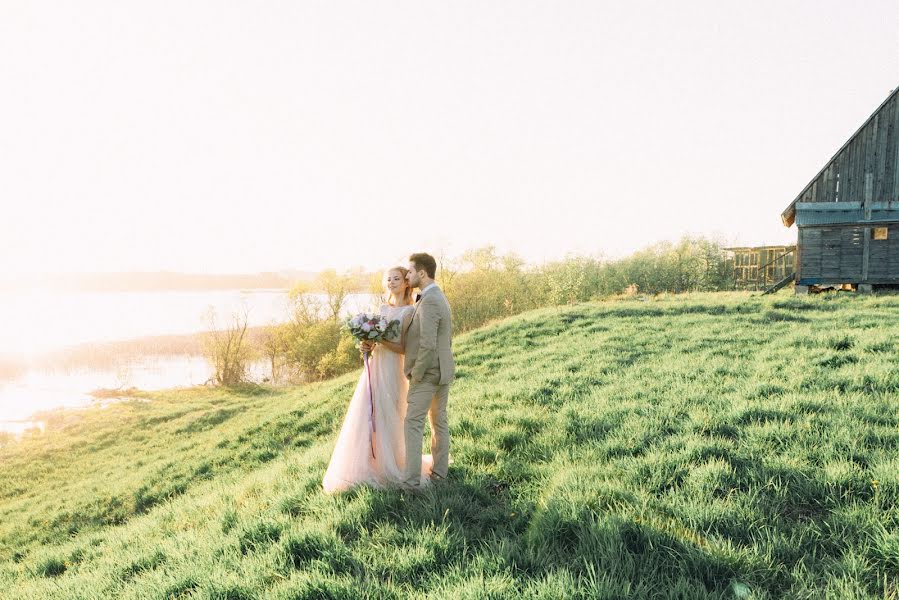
[231, 136]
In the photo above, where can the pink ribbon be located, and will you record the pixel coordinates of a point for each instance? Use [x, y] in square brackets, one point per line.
[371, 405]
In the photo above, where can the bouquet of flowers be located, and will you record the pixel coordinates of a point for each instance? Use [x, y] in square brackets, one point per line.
[372, 328]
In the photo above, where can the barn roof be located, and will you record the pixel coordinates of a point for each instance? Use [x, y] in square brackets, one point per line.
[811, 192]
[838, 213]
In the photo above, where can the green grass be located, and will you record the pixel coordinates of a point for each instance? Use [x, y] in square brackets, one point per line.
[704, 446]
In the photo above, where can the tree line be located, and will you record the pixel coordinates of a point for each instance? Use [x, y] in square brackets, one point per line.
[481, 285]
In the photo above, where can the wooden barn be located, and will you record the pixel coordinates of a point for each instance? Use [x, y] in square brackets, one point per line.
[848, 214]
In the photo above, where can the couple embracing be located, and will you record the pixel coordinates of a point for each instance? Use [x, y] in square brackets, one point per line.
[409, 378]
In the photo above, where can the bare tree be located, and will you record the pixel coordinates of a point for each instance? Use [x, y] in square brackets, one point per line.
[336, 288]
[324, 297]
[227, 348]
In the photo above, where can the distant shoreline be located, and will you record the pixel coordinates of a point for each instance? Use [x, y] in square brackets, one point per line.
[102, 355]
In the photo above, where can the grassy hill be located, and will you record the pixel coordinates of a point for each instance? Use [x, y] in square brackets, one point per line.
[704, 446]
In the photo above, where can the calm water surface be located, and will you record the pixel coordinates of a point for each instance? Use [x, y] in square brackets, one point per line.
[35, 324]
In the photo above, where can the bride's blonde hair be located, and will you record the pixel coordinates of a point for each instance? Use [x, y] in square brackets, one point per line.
[403, 271]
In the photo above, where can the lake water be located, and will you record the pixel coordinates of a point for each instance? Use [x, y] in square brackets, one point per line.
[38, 324]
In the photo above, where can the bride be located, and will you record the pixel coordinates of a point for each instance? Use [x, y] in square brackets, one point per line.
[378, 459]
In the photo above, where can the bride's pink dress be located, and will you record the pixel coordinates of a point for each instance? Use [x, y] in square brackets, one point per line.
[352, 462]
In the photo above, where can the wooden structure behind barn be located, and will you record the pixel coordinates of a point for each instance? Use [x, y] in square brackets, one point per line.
[759, 267]
[848, 214]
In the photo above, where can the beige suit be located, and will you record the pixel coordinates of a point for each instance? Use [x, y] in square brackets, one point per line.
[430, 368]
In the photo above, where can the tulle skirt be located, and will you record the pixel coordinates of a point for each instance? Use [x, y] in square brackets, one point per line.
[378, 459]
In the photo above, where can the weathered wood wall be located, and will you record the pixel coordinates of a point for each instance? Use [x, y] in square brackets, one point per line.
[866, 168]
[883, 266]
[836, 254]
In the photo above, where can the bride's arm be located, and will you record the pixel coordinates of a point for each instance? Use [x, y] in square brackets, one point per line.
[399, 347]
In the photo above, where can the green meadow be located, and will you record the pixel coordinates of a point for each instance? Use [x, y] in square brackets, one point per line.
[697, 446]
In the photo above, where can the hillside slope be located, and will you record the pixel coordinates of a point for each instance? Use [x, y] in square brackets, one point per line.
[706, 446]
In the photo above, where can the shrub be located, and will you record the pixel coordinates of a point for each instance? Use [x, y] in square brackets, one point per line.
[483, 285]
[319, 350]
[227, 349]
[313, 344]
[342, 359]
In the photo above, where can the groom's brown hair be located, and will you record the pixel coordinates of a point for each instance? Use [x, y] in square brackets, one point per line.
[421, 260]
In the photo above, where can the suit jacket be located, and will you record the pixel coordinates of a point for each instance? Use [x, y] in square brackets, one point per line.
[429, 340]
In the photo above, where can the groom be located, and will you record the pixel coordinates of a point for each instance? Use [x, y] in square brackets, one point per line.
[430, 369]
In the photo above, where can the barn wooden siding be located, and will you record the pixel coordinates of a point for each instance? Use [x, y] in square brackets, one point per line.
[836, 254]
[865, 169]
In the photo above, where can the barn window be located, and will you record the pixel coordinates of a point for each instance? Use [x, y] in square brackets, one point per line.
[881, 233]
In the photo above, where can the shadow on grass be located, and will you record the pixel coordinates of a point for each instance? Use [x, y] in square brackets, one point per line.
[474, 526]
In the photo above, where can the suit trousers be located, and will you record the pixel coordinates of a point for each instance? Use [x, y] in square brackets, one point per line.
[426, 398]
